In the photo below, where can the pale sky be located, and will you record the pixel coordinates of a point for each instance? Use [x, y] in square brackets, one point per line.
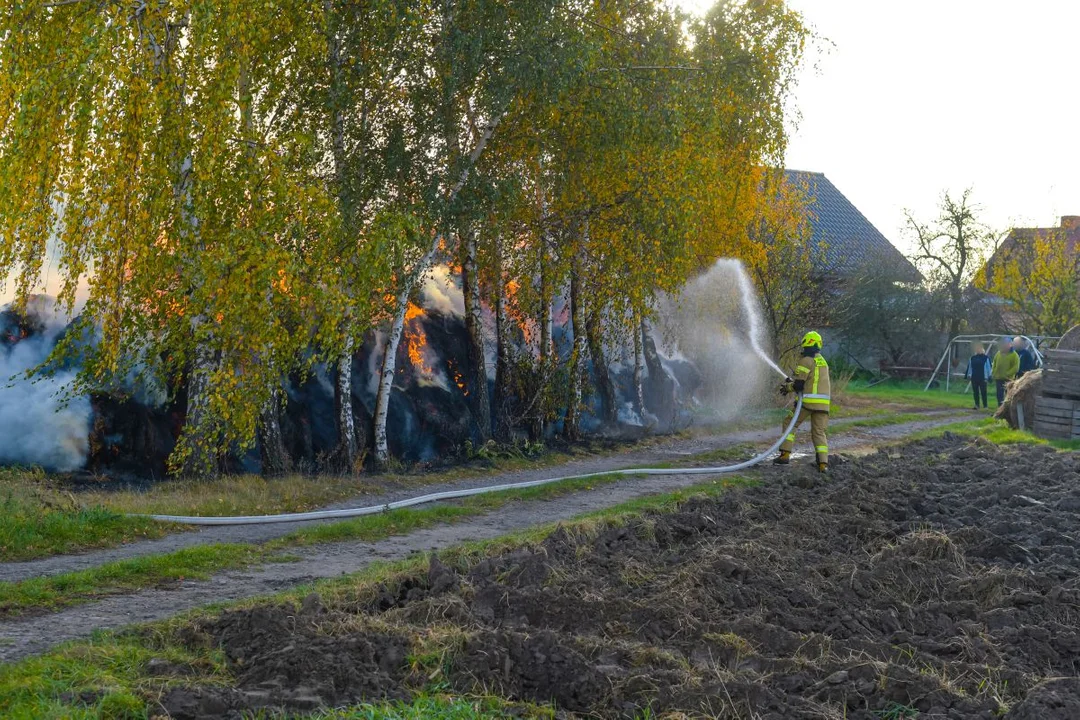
[912, 97]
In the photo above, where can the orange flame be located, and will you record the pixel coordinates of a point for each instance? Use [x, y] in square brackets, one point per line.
[416, 340]
[525, 323]
[459, 379]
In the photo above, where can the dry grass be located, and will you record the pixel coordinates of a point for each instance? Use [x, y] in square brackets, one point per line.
[234, 495]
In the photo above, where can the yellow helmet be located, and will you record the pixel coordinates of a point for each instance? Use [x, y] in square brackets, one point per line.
[811, 339]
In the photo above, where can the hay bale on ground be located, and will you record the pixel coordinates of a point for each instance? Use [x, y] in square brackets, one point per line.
[1070, 340]
[1021, 394]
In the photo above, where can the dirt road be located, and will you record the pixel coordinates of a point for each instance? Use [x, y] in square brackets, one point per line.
[22, 637]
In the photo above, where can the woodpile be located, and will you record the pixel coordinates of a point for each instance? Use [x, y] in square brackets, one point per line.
[1057, 407]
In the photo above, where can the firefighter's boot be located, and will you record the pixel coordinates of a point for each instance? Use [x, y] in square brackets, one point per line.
[823, 467]
[784, 458]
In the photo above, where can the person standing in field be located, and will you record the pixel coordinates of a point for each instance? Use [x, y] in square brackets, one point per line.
[1027, 358]
[978, 370]
[812, 382]
[1006, 365]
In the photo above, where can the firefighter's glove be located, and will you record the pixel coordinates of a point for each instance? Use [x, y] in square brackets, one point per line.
[786, 387]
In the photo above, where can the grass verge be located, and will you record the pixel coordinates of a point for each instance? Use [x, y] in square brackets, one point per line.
[105, 677]
[892, 395]
[45, 594]
[879, 421]
[52, 593]
[38, 519]
[997, 432]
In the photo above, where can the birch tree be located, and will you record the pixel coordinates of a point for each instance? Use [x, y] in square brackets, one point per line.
[483, 59]
[122, 138]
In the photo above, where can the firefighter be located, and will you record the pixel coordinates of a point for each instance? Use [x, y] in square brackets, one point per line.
[812, 382]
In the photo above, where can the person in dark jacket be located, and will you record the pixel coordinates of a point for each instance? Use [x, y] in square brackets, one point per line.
[1027, 358]
[978, 372]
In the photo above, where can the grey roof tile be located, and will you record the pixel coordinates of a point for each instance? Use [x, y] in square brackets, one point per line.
[850, 241]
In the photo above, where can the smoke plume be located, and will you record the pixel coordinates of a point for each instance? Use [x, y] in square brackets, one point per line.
[40, 424]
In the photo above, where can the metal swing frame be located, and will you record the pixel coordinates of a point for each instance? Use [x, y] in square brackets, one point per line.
[991, 342]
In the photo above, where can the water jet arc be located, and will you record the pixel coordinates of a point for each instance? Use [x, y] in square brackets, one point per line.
[746, 291]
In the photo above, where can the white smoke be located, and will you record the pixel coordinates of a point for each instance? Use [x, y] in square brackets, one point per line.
[40, 424]
[442, 292]
[715, 323]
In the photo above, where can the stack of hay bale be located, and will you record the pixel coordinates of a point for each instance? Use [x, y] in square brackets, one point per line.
[1057, 407]
[1019, 407]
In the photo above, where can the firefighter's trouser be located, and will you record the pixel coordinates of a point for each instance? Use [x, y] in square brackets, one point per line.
[819, 423]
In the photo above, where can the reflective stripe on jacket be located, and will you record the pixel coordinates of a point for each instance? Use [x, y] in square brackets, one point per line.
[814, 372]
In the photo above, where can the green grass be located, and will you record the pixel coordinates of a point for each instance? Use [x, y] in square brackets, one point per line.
[732, 454]
[58, 591]
[997, 432]
[880, 421]
[52, 593]
[436, 707]
[37, 520]
[909, 394]
[896, 711]
[668, 502]
[109, 667]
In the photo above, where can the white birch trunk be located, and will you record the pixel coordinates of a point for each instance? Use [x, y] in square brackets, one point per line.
[346, 456]
[389, 364]
[639, 370]
[200, 459]
[577, 357]
[348, 450]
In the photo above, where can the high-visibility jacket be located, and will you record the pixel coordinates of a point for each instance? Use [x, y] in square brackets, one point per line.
[814, 372]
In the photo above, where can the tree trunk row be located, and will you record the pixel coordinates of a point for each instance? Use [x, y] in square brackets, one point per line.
[493, 414]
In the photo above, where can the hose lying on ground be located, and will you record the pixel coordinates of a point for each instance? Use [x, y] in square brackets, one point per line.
[454, 494]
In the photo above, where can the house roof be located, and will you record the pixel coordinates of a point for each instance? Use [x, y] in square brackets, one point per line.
[1020, 239]
[849, 241]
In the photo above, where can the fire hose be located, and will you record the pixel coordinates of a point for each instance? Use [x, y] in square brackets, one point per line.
[456, 494]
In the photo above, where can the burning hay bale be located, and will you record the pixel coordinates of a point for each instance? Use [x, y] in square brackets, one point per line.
[1019, 407]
